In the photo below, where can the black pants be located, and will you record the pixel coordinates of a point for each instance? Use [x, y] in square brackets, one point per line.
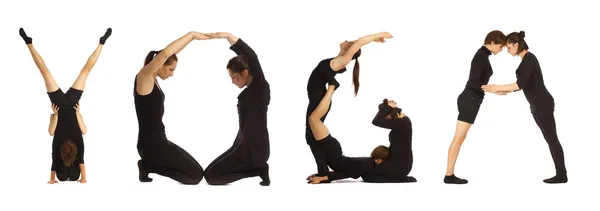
[228, 167]
[165, 158]
[65, 173]
[320, 156]
[547, 124]
[391, 171]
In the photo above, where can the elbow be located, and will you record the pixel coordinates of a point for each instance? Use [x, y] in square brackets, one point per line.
[51, 133]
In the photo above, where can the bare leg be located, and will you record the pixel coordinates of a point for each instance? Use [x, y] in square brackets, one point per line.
[462, 128]
[318, 128]
[79, 83]
[49, 81]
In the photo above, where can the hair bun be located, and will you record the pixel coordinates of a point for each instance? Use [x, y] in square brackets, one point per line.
[522, 34]
[385, 101]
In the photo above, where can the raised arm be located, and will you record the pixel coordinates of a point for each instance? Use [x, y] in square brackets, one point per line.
[146, 76]
[241, 48]
[341, 61]
[381, 120]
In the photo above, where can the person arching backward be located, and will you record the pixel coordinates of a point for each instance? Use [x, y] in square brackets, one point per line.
[530, 79]
[343, 167]
[398, 156]
[251, 150]
[471, 98]
[158, 154]
[325, 72]
[66, 122]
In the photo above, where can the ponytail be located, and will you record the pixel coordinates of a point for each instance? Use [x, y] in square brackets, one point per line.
[355, 77]
[153, 54]
[150, 56]
[356, 72]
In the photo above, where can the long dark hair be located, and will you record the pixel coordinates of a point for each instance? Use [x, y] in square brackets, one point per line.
[152, 54]
[356, 72]
[519, 38]
[68, 152]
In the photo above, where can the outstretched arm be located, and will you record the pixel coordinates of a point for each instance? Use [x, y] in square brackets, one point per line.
[341, 61]
[146, 76]
[523, 76]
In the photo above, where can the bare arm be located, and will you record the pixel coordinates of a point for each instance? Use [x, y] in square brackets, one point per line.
[82, 126]
[53, 124]
[83, 176]
[341, 61]
[145, 79]
[52, 178]
[226, 35]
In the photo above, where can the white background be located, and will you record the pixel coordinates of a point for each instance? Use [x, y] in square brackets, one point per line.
[424, 68]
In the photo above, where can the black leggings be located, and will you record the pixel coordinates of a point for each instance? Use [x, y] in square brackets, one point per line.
[391, 171]
[167, 159]
[547, 124]
[68, 173]
[228, 168]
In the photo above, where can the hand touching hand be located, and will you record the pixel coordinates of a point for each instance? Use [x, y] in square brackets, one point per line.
[381, 36]
[200, 36]
[217, 35]
[490, 88]
[55, 108]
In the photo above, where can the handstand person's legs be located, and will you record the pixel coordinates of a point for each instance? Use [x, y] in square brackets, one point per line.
[49, 81]
[79, 83]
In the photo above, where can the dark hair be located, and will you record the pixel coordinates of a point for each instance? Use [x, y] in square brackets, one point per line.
[388, 110]
[381, 152]
[238, 64]
[152, 54]
[495, 36]
[356, 72]
[519, 38]
[68, 151]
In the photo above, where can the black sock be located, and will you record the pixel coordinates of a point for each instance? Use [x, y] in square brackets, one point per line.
[27, 39]
[559, 178]
[454, 180]
[143, 176]
[264, 175]
[106, 36]
[334, 83]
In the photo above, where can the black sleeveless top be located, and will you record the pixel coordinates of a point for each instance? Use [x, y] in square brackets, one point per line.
[150, 109]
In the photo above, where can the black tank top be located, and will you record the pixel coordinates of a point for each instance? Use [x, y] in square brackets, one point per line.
[150, 109]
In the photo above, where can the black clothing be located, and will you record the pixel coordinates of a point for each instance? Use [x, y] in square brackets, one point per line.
[343, 167]
[472, 96]
[316, 89]
[68, 173]
[158, 154]
[67, 127]
[541, 102]
[251, 149]
[399, 164]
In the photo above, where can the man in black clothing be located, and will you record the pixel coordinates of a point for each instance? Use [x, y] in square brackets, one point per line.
[251, 150]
